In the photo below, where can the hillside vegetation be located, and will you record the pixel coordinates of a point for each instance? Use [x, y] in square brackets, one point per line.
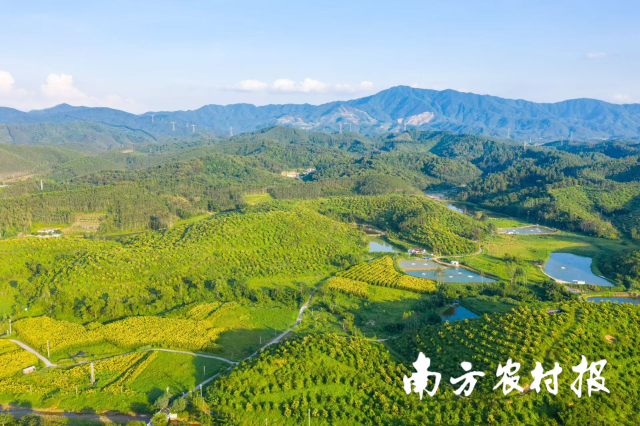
[344, 380]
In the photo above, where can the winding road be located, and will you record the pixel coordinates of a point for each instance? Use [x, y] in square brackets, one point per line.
[47, 363]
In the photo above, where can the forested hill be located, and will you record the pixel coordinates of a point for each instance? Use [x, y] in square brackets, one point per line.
[388, 110]
[593, 188]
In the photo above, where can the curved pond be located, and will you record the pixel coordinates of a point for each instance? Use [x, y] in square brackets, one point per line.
[529, 230]
[381, 246]
[632, 300]
[456, 313]
[452, 275]
[573, 269]
[454, 208]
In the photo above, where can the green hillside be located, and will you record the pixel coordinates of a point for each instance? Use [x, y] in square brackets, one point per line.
[347, 380]
[17, 161]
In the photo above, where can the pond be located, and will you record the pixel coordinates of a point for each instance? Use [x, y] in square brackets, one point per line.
[528, 230]
[419, 264]
[573, 269]
[454, 208]
[381, 246]
[452, 275]
[632, 300]
[456, 313]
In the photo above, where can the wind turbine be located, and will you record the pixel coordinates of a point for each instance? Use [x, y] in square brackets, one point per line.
[340, 128]
[508, 133]
[173, 123]
[152, 115]
[405, 126]
[230, 131]
[193, 128]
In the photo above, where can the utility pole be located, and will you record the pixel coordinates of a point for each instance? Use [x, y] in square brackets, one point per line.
[340, 128]
[173, 123]
[41, 186]
[193, 128]
[204, 370]
[93, 377]
[152, 115]
[309, 416]
[48, 354]
[9, 325]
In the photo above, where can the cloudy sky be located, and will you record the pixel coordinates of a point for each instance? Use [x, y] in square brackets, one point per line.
[141, 56]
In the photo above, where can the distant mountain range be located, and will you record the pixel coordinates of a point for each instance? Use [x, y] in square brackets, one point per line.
[389, 110]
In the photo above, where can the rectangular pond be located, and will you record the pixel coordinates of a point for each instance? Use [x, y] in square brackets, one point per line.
[457, 313]
[632, 300]
[574, 269]
[528, 230]
[452, 275]
[419, 264]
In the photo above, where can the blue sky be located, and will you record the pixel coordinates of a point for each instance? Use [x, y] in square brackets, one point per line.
[161, 55]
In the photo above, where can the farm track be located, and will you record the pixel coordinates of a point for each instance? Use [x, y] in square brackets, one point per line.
[27, 348]
[119, 418]
[49, 364]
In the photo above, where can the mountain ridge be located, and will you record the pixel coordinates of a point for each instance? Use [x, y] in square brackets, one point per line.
[387, 110]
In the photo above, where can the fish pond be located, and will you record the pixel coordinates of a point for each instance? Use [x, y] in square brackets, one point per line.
[419, 264]
[377, 245]
[456, 313]
[632, 300]
[451, 275]
[574, 269]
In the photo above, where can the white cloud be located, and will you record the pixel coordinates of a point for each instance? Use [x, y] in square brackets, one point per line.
[283, 85]
[308, 85]
[60, 87]
[596, 55]
[6, 82]
[362, 87]
[57, 89]
[622, 98]
[251, 86]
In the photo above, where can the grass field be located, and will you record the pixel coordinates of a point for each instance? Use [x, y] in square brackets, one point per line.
[481, 306]
[179, 372]
[249, 328]
[253, 199]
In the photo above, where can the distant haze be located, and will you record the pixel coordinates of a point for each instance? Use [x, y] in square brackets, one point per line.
[392, 110]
